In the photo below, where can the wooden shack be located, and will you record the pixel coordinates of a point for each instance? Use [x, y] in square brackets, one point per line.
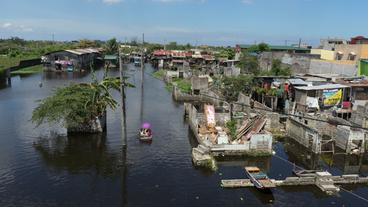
[77, 59]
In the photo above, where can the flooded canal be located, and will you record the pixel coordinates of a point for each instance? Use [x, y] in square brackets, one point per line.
[41, 167]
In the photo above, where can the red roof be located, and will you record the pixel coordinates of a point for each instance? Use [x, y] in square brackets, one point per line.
[161, 52]
[172, 53]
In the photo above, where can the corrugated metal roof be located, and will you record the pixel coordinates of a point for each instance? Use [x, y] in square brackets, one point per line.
[83, 51]
[297, 81]
[321, 87]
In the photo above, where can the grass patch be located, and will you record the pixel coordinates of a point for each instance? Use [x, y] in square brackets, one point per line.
[28, 70]
[159, 74]
[231, 125]
[6, 62]
[169, 87]
[184, 85]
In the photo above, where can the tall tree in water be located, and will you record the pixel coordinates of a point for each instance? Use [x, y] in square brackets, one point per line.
[112, 47]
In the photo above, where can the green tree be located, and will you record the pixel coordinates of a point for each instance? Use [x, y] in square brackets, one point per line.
[278, 70]
[261, 47]
[228, 53]
[232, 86]
[112, 47]
[248, 64]
[172, 46]
[86, 43]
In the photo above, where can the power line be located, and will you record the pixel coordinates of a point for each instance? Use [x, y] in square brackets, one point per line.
[354, 194]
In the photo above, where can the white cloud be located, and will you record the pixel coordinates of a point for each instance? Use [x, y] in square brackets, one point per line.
[247, 1]
[7, 24]
[111, 1]
[172, 1]
[16, 27]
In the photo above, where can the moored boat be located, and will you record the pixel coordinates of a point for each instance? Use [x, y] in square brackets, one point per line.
[259, 179]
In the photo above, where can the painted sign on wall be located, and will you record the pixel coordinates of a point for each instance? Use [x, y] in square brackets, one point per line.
[332, 97]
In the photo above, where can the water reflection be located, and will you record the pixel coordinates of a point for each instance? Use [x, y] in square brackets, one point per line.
[3, 82]
[265, 196]
[261, 162]
[48, 75]
[79, 154]
[336, 163]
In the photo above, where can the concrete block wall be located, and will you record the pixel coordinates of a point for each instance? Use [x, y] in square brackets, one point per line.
[302, 133]
[325, 67]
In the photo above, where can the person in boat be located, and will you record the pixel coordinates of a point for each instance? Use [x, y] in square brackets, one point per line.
[146, 132]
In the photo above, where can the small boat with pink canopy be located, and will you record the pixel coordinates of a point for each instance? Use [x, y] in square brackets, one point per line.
[145, 133]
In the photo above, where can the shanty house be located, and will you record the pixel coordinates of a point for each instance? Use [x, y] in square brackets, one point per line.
[319, 97]
[77, 59]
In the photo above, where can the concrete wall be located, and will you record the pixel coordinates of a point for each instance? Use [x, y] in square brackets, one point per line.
[184, 97]
[297, 62]
[192, 118]
[245, 100]
[326, 67]
[261, 142]
[345, 135]
[303, 134]
[199, 83]
[231, 71]
[346, 49]
[325, 54]
[364, 53]
[359, 115]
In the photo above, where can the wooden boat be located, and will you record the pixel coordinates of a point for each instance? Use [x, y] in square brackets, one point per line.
[145, 133]
[259, 179]
[144, 137]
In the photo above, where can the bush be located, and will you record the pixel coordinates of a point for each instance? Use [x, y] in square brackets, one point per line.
[159, 73]
[231, 125]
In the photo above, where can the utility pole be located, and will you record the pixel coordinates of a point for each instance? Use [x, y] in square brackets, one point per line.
[142, 53]
[123, 107]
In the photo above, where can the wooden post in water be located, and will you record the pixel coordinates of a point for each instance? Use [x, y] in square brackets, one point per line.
[142, 52]
[122, 90]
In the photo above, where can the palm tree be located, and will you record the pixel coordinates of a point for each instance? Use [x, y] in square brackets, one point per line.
[112, 47]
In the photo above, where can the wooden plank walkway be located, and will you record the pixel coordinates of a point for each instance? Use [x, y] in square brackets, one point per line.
[325, 183]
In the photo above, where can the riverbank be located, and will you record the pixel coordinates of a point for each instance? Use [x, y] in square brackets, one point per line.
[28, 70]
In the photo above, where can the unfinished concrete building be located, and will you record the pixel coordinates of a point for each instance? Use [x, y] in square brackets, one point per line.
[350, 140]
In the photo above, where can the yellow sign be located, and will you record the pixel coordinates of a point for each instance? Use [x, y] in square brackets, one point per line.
[332, 97]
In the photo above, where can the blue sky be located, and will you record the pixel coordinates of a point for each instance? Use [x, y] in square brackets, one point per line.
[216, 22]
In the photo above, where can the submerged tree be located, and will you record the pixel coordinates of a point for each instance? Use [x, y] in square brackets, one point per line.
[78, 104]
